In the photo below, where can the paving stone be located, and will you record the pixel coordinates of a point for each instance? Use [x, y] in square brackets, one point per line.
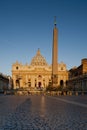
[42, 113]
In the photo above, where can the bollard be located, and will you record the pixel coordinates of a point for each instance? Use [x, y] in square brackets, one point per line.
[70, 93]
[82, 93]
[76, 93]
[64, 93]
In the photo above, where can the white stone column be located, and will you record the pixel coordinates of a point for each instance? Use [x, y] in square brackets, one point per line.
[14, 82]
[26, 81]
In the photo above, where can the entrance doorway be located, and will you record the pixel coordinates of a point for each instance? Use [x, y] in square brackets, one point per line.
[61, 83]
[17, 83]
[39, 84]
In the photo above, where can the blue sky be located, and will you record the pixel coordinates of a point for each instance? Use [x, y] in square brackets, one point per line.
[26, 25]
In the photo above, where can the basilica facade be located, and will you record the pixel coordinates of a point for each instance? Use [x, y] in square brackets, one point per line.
[37, 74]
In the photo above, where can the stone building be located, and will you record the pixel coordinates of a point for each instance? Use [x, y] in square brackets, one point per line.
[37, 74]
[4, 82]
[78, 76]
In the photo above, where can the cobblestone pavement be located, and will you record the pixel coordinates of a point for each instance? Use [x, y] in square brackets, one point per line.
[43, 113]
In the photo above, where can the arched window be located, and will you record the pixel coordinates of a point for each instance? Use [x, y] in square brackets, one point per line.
[39, 76]
[61, 68]
[17, 68]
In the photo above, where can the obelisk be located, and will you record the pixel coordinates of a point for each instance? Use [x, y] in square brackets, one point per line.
[55, 56]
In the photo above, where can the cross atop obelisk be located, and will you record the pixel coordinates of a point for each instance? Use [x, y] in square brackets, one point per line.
[55, 21]
[55, 56]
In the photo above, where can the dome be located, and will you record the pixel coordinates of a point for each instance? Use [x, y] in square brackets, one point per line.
[38, 60]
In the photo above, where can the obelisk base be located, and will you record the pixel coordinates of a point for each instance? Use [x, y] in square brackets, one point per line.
[55, 80]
